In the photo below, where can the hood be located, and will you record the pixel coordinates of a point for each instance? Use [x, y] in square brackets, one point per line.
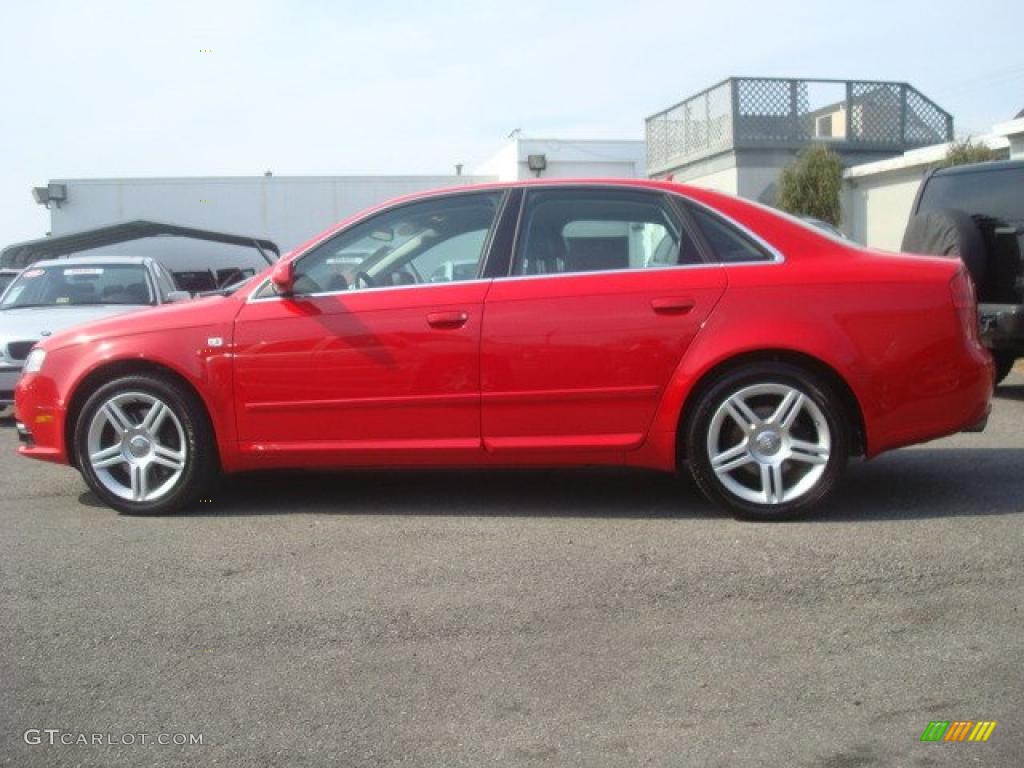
[163, 319]
[41, 322]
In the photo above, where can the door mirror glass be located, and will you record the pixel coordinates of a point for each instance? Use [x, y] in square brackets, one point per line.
[173, 297]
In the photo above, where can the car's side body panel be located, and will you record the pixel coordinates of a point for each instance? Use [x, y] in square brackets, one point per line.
[197, 351]
[580, 362]
[367, 373]
[564, 370]
[908, 369]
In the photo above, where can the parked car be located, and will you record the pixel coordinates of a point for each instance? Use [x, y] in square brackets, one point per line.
[6, 277]
[53, 295]
[976, 212]
[635, 323]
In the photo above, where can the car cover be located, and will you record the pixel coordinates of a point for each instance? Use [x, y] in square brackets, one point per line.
[948, 232]
[21, 255]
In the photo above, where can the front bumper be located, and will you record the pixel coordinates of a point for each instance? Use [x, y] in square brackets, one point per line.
[8, 380]
[39, 416]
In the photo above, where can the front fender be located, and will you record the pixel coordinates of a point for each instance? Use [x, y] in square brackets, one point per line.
[198, 355]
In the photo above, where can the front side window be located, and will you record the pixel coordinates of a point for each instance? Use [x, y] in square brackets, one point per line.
[79, 285]
[588, 230]
[436, 241]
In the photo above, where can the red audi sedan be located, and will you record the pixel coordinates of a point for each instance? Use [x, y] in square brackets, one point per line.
[562, 323]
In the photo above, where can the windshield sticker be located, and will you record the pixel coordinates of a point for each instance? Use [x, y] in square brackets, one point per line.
[83, 271]
[33, 273]
[63, 300]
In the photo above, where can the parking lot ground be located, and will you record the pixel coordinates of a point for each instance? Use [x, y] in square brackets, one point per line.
[525, 618]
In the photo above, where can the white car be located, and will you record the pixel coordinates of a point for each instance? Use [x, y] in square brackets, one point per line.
[55, 294]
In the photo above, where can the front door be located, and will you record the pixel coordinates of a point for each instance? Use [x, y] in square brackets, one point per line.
[376, 356]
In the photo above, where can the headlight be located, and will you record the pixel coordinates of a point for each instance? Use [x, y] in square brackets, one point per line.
[34, 361]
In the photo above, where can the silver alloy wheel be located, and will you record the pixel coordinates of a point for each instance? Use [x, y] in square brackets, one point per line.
[769, 443]
[136, 446]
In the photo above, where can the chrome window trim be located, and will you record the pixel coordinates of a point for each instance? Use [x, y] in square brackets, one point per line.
[350, 292]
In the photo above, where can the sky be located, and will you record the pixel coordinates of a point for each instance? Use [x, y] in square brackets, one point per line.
[181, 88]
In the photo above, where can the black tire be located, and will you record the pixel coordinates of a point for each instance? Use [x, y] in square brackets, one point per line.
[949, 232]
[200, 463]
[1004, 364]
[825, 412]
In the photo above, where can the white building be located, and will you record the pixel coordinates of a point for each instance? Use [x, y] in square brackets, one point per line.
[877, 197]
[523, 158]
[291, 209]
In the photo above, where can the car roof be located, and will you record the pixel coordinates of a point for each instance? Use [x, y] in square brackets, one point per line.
[97, 260]
[992, 165]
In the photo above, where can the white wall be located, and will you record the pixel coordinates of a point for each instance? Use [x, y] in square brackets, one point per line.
[1012, 130]
[876, 208]
[286, 209]
[726, 180]
[567, 158]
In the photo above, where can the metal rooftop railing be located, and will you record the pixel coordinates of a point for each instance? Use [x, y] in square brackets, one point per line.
[780, 113]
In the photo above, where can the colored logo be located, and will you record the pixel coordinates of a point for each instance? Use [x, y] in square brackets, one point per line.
[958, 730]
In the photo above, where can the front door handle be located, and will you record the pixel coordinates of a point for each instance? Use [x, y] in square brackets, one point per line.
[672, 306]
[455, 319]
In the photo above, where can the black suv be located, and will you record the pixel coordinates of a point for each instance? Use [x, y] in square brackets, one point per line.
[976, 212]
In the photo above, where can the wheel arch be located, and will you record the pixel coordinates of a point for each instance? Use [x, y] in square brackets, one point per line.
[851, 405]
[113, 369]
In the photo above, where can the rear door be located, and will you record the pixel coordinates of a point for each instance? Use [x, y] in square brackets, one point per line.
[606, 291]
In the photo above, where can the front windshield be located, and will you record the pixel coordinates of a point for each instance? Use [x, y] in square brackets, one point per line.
[76, 285]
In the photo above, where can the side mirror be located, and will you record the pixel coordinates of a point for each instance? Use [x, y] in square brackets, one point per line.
[173, 297]
[283, 278]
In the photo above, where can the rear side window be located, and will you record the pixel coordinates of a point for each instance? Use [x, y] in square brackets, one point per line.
[728, 244]
[998, 194]
[599, 230]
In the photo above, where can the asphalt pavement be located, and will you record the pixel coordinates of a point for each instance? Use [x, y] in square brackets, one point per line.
[542, 618]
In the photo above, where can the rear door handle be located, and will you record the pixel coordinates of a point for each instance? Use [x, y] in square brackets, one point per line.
[672, 306]
[455, 319]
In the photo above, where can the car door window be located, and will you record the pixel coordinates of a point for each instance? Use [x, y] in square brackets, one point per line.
[593, 230]
[435, 241]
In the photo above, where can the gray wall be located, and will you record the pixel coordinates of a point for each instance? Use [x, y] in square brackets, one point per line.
[286, 209]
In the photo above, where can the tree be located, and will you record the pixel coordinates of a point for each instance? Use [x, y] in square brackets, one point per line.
[810, 185]
[966, 152]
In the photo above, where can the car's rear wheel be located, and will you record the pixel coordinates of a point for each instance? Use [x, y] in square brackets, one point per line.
[144, 445]
[768, 442]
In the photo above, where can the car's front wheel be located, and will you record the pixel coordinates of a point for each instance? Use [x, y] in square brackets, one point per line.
[768, 442]
[144, 445]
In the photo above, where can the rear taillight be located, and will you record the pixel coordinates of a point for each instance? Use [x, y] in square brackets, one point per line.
[962, 288]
